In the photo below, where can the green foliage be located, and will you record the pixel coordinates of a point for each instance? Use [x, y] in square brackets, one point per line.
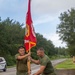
[11, 37]
[66, 29]
[10, 60]
[34, 55]
[68, 64]
[71, 50]
[61, 51]
[46, 44]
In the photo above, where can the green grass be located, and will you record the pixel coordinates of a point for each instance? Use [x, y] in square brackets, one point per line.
[11, 66]
[68, 64]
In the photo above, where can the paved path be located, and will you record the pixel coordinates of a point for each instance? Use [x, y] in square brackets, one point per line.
[34, 68]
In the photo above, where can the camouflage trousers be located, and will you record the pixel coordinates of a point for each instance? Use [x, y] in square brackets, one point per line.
[49, 74]
[20, 73]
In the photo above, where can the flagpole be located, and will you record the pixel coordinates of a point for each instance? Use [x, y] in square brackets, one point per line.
[29, 65]
[29, 36]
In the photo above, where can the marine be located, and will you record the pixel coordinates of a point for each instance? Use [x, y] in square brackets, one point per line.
[21, 62]
[46, 67]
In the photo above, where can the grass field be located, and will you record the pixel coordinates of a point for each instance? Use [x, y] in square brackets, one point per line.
[68, 64]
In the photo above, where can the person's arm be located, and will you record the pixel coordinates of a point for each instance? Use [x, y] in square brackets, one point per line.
[21, 57]
[40, 71]
[42, 67]
[35, 61]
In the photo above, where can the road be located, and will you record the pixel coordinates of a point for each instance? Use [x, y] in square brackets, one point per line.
[34, 68]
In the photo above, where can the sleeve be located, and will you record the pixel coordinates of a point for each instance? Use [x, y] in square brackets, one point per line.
[16, 56]
[44, 62]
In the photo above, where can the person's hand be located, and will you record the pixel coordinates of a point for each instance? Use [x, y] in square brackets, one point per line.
[29, 58]
[29, 54]
[29, 72]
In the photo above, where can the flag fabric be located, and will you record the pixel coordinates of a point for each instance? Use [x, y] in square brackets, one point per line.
[30, 37]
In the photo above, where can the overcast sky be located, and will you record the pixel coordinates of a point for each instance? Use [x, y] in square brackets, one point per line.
[45, 15]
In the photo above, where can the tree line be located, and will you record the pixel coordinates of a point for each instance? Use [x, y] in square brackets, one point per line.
[66, 30]
[12, 36]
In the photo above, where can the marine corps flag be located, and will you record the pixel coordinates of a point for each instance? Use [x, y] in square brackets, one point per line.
[30, 37]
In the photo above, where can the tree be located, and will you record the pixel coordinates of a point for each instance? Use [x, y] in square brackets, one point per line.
[11, 37]
[66, 29]
[46, 44]
[61, 51]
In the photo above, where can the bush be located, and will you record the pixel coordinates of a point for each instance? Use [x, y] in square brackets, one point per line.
[10, 60]
[34, 55]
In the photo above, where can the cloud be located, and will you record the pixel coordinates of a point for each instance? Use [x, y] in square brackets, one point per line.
[55, 39]
[51, 6]
[44, 12]
[44, 19]
[48, 11]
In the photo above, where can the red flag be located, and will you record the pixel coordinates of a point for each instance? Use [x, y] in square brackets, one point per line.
[30, 37]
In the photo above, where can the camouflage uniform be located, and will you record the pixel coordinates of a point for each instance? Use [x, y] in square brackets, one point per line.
[21, 66]
[45, 61]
